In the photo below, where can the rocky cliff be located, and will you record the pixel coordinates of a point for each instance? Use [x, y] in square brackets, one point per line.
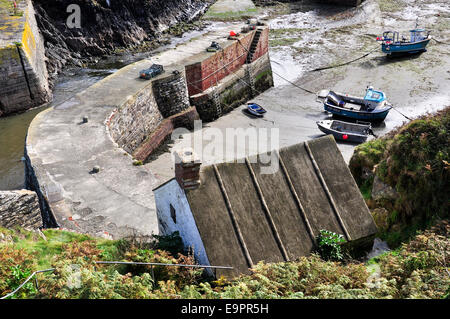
[106, 25]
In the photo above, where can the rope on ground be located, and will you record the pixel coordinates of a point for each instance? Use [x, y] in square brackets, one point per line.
[306, 90]
[345, 63]
[440, 42]
[298, 86]
[401, 113]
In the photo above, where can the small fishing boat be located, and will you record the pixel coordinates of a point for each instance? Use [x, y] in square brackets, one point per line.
[392, 44]
[372, 107]
[256, 109]
[345, 131]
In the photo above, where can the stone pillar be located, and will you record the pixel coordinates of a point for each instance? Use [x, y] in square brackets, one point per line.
[187, 168]
[171, 93]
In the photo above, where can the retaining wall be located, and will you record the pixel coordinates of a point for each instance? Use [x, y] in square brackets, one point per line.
[23, 73]
[138, 125]
[207, 73]
[19, 209]
[234, 90]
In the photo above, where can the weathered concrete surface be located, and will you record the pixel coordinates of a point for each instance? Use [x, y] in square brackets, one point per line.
[61, 152]
[23, 74]
[420, 84]
[19, 209]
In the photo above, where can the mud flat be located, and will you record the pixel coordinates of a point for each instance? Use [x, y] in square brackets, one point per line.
[414, 84]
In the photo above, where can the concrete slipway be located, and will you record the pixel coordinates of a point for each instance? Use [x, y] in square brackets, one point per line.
[117, 201]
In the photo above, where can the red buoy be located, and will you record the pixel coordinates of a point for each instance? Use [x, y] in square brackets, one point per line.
[345, 136]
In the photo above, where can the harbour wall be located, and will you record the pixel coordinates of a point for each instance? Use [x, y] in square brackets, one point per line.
[23, 73]
[20, 208]
[122, 119]
[174, 98]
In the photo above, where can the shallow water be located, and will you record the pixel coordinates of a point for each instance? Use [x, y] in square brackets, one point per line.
[13, 129]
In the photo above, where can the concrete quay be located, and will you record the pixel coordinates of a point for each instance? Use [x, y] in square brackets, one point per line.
[61, 150]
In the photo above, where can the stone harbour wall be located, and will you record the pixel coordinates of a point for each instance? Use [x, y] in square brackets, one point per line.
[23, 73]
[235, 89]
[171, 93]
[184, 119]
[137, 121]
[20, 209]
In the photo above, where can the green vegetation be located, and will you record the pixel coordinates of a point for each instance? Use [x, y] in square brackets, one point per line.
[329, 245]
[286, 36]
[7, 5]
[418, 269]
[391, 5]
[231, 15]
[414, 161]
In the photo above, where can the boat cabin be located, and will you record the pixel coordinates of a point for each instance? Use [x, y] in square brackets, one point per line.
[416, 35]
[373, 98]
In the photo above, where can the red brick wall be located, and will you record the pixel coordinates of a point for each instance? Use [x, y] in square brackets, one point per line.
[202, 75]
[166, 128]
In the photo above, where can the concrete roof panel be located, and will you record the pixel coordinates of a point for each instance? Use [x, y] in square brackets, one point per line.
[214, 224]
[249, 212]
[301, 199]
[309, 189]
[285, 212]
[345, 192]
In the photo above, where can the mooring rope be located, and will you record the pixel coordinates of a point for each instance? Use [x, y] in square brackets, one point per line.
[345, 63]
[440, 42]
[298, 86]
[401, 113]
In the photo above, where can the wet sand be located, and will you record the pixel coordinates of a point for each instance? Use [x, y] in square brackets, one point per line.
[414, 84]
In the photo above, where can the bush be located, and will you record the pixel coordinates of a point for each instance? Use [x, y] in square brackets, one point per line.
[15, 266]
[414, 161]
[329, 245]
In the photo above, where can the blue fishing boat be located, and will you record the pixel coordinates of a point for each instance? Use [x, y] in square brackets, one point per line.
[391, 43]
[256, 109]
[372, 107]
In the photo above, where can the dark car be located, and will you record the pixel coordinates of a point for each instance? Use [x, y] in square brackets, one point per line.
[151, 72]
[214, 47]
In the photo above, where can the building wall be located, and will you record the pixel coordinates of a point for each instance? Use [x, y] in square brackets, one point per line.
[207, 73]
[234, 90]
[172, 194]
[23, 73]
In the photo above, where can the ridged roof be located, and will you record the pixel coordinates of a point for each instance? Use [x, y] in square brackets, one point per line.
[244, 216]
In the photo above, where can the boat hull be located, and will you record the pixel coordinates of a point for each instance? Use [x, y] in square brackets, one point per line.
[373, 116]
[405, 47]
[339, 136]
